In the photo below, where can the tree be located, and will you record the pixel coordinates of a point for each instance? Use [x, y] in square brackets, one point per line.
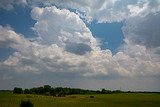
[17, 90]
[27, 91]
[47, 88]
[103, 91]
[40, 90]
[33, 90]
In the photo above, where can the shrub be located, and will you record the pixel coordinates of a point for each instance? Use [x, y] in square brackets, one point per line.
[91, 96]
[27, 103]
[47, 94]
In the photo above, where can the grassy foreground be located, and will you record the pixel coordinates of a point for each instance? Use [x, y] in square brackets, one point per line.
[7, 99]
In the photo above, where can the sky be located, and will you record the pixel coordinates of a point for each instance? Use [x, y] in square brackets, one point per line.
[89, 44]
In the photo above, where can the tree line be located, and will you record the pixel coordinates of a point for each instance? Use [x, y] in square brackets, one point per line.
[60, 91]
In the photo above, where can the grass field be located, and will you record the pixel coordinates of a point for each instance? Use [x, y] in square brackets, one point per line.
[8, 99]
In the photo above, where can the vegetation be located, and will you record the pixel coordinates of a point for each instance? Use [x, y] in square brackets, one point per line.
[26, 103]
[17, 90]
[8, 99]
[47, 96]
[60, 91]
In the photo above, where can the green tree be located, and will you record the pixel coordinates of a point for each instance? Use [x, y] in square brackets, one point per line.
[47, 88]
[40, 90]
[17, 90]
[27, 91]
[103, 91]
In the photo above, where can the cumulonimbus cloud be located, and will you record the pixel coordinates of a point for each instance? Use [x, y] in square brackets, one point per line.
[61, 33]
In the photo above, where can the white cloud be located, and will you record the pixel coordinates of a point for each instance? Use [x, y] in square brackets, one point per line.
[62, 27]
[6, 4]
[21, 2]
[142, 44]
[5, 77]
[9, 38]
[62, 33]
[143, 30]
[110, 10]
[9, 4]
[62, 55]
[67, 48]
[102, 11]
[136, 60]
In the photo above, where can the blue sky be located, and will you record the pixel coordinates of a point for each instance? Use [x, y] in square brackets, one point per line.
[19, 19]
[110, 34]
[86, 44]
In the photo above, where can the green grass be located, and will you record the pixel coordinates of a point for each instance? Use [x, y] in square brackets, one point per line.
[7, 99]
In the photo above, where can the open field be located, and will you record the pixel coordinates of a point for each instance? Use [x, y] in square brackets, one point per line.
[7, 99]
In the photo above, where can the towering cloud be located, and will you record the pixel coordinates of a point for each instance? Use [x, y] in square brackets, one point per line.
[65, 45]
[62, 27]
[72, 49]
